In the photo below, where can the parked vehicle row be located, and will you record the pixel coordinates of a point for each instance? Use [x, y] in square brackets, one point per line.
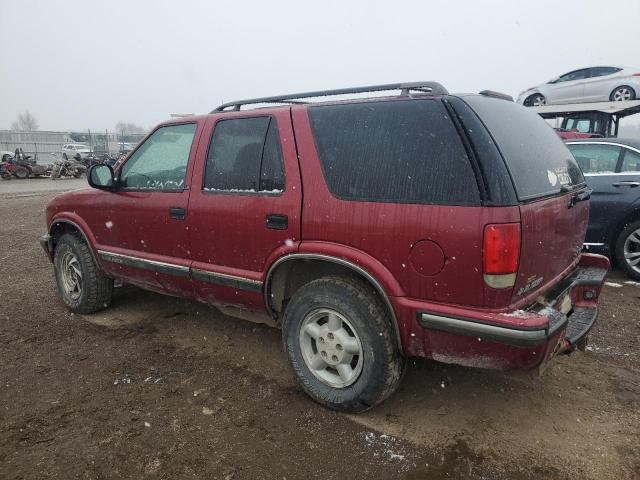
[423, 224]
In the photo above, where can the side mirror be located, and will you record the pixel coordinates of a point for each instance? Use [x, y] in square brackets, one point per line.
[101, 177]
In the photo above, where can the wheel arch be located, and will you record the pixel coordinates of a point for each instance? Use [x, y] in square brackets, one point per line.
[60, 226]
[632, 216]
[290, 272]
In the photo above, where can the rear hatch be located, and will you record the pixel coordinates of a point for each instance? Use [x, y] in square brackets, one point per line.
[550, 188]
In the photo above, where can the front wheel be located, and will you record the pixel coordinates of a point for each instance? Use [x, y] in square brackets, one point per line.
[82, 286]
[627, 250]
[341, 344]
[536, 100]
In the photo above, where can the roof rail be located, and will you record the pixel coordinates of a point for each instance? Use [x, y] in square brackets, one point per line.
[491, 93]
[433, 88]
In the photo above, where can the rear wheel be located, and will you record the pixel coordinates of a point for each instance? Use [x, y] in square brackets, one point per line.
[535, 100]
[82, 286]
[627, 250]
[64, 155]
[22, 172]
[622, 94]
[341, 344]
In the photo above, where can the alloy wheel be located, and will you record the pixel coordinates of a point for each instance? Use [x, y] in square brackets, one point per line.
[331, 348]
[71, 275]
[632, 250]
[622, 94]
[538, 101]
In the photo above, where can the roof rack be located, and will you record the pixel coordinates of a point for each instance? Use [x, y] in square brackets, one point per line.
[491, 93]
[433, 88]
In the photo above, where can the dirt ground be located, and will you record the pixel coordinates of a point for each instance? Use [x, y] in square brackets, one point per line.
[161, 388]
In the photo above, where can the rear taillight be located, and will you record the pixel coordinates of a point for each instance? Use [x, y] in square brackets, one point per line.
[501, 254]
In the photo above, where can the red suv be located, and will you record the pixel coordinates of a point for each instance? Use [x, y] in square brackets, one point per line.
[370, 230]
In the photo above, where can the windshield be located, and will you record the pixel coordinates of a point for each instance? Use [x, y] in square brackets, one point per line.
[538, 161]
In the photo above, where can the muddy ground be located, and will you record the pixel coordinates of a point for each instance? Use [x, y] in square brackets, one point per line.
[161, 388]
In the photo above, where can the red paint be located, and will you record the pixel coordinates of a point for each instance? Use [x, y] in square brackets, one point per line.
[426, 258]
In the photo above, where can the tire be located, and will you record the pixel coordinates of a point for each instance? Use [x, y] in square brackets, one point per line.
[22, 172]
[622, 93]
[64, 156]
[365, 326]
[627, 250]
[82, 286]
[535, 100]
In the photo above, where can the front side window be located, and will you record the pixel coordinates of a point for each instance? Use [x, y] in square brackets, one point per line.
[594, 158]
[161, 161]
[631, 162]
[575, 75]
[245, 156]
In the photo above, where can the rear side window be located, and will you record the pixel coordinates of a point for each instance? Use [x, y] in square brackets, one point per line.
[393, 151]
[245, 156]
[594, 158]
[539, 162]
[631, 163]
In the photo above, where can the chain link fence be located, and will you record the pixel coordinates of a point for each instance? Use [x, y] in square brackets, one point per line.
[43, 145]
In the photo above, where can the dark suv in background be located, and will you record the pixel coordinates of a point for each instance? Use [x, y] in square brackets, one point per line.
[612, 169]
[370, 230]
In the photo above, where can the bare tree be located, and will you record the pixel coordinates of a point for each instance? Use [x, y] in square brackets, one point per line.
[25, 122]
[128, 127]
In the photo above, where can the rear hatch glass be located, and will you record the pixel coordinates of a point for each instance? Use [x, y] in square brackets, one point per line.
[545, 175]
[538, 161]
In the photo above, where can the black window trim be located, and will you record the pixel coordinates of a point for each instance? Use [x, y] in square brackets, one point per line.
[450, 203]
[132, 152]
[246, 193]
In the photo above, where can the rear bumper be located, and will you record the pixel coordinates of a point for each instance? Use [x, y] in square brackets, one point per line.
[517, 339]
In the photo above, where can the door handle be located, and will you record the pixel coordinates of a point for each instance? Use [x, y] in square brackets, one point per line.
[626, 184]
[178, 213]
[276, 221]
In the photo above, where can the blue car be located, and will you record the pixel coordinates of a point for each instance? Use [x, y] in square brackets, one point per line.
[611, 167]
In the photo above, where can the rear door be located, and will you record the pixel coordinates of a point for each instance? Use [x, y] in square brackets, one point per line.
[600, 83]
[599, 163]
[546, 178]
[245, 206]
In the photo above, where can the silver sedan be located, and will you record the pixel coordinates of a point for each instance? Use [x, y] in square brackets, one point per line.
[594, 84]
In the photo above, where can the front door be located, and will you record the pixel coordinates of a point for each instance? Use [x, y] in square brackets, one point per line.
[245, 205]
[140, 227]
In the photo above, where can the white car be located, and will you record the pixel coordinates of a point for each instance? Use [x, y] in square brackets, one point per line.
[594, 84]
[75, 150]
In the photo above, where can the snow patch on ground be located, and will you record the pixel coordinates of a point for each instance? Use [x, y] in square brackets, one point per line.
[631, 282]
[387, 448]
[613, 284]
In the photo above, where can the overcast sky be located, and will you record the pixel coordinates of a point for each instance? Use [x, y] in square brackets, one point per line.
[89, 64]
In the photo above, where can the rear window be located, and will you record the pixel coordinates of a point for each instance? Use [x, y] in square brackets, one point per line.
[393, 151]
[538, 161]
